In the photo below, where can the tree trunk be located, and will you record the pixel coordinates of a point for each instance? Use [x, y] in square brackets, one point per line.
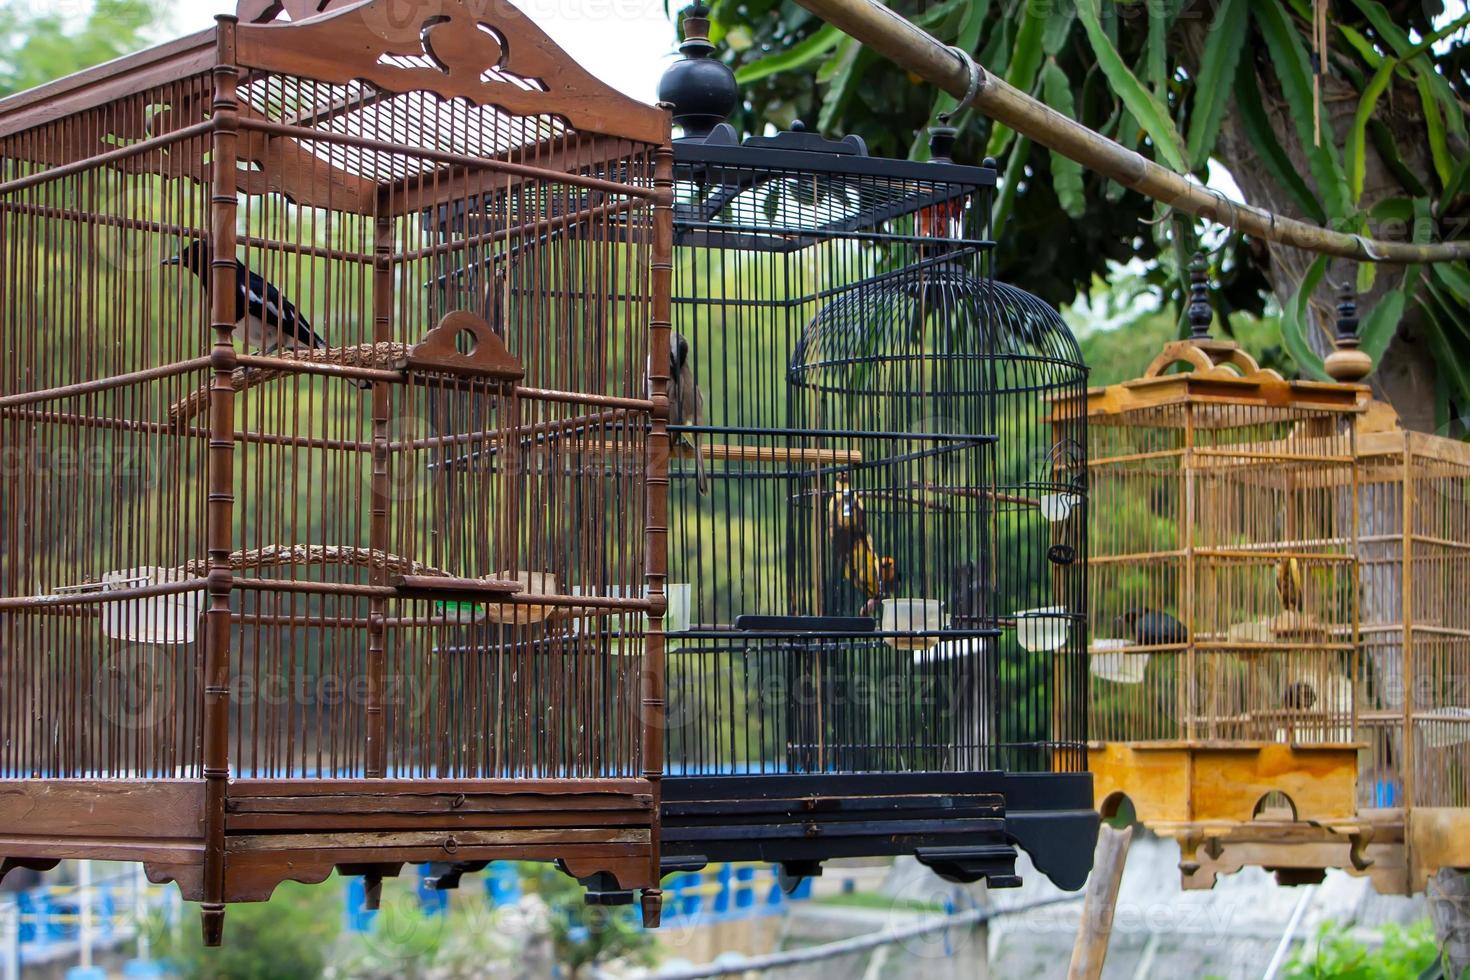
[1406, 376]
[1449, 908]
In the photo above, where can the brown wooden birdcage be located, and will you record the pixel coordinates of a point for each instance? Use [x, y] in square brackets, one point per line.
[1413, 492]
[304, 563]
[1223, 588]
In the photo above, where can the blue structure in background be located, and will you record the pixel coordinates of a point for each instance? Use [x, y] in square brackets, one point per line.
[719, 894]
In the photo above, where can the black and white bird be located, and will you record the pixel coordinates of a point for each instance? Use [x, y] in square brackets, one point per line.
[267, 320]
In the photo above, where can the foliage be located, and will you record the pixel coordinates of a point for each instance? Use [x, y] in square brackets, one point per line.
[584, 936]
[1407, 953]
[35, 49]
[1168, 78]
[406, 942]
[288, 937]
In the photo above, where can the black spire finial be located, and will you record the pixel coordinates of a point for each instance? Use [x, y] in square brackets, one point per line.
[1347, 362]
[700, 87]
[1200, 313]
[1347, 316]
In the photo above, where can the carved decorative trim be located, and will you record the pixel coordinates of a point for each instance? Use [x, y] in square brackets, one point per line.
[481, 50]
[486, 356]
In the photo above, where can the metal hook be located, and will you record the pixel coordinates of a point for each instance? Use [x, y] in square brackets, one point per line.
[977, 78]
[1367, 248]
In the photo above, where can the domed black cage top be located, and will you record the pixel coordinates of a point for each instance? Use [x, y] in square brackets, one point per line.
[876, 542]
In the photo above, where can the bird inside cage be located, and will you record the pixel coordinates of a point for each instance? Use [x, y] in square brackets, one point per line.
[862, 567]
[264, 318]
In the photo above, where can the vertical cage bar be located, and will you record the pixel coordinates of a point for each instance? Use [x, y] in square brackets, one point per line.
[657, 453]
[219, 532]
[376, 749]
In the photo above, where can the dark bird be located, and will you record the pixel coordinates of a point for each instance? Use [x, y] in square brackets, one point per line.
[1289, 584]
[686, 402]
[969, 598]
[265, 319]
[861, 565]
[1152, 628]
[1299, 696]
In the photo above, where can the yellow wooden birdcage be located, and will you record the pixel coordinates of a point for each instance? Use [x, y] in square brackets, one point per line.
[1223, 588]
[1413, 503]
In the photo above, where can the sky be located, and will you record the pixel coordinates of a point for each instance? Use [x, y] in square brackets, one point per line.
[626, 43]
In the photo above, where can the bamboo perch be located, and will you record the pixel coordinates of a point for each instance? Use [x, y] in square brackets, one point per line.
[911, 48]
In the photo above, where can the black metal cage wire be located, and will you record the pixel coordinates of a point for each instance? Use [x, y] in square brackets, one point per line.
[892, 509]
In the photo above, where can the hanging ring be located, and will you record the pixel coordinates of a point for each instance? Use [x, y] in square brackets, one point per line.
[977, 79]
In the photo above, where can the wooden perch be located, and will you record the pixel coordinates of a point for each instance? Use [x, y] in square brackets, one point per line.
[383, 356]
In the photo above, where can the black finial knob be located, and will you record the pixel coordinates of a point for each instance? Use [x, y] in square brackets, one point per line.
[797, 126]
[1200, 313]
[990, 163]
[700, 87]
[941, 143]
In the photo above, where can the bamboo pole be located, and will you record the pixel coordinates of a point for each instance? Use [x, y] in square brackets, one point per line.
[911, 48]
[1095, 927]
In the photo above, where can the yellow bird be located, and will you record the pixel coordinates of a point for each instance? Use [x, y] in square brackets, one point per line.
[862, 568]
[1289, 584]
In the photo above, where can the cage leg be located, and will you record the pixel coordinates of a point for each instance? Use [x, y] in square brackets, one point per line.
[212, 921]
[653, 906]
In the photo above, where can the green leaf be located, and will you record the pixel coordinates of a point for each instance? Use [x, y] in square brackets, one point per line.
[794, 57]
[845, 51]
[1058, 28]
[844, 85]
[1217, 69]
[1439, 148]
[1414, 56]
[1382, 322]
[1015, 167]
[1455, 278]
[1296, 323]
[1289, 57]
[1458, 184]
[1140, 101]
[1392, 209]
[936, 15]
[1388, 151]
[1269, 151]
[1357, 140]
[1066, 174]
[1442, 315]
[1026, 55]
[1156, 52]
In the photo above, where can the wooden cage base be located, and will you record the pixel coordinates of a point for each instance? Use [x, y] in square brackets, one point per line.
[1397, 851]
[1191, 782]
[302, 830]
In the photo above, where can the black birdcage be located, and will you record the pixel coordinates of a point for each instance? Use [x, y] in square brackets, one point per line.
[876, 592]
